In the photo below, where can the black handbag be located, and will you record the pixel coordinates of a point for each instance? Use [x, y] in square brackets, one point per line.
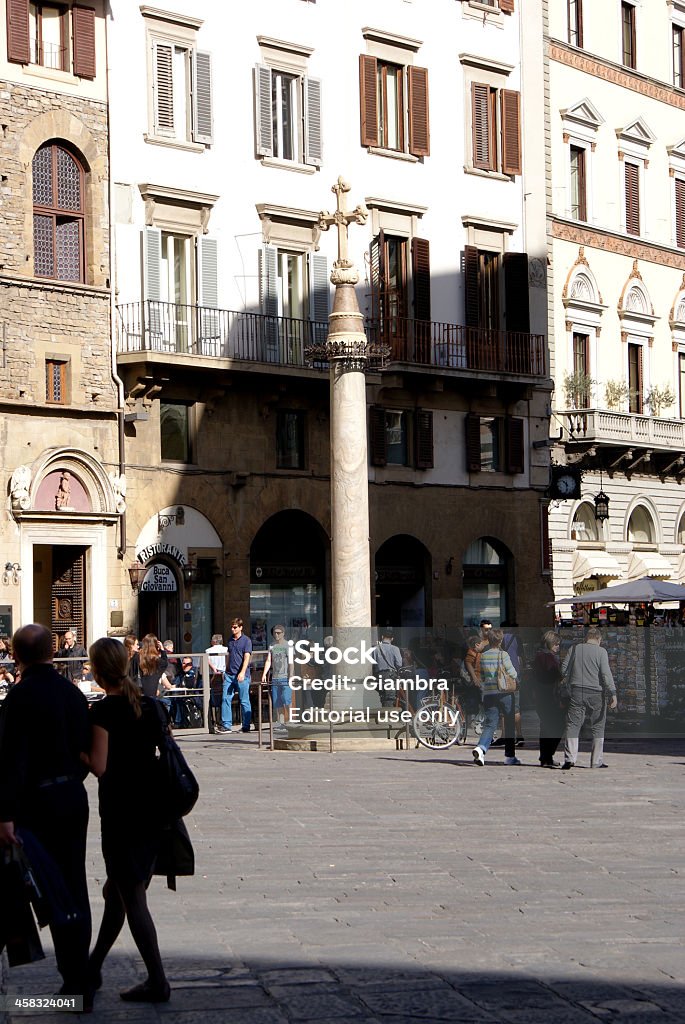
[176, 855]
[179, 787]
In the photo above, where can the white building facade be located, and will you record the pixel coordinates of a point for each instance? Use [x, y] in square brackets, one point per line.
[615, 191]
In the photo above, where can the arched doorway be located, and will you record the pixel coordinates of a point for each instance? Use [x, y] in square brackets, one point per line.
[488, 584]
[402, 567]
[158, 602]
[287, 577]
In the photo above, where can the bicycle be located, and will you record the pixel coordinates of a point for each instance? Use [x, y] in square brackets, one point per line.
[439, 722]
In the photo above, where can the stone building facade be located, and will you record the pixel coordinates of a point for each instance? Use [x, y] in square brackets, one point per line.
[222, 298]
[60, 451]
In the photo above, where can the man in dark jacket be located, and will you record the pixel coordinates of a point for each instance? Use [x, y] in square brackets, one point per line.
[43, 730]
[70, 649]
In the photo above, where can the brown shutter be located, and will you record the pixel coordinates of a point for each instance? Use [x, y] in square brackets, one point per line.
[632, 173]
[507, 6]
[419, 133]
[680, 212]
[471, 297]
[377, 439]
[18, 47]
[421, 271]
[83, 31]
[472, 437]
[516, 304]
[481, 127]
[511, 132]
[377, 269]
[368, 100]
[423, 439]
[515, 452]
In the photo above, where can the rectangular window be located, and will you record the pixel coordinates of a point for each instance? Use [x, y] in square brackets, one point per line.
[290, 439]
[578, 183]
[575, 22]
[401, 437]
[394, 106]
[628, 35]
[635, 378]
[495, 129]
[681, 379]
[494, 444]
[632, 198]
[56, 381]
[679, 185]
[490, 444]
[396, 438]
[581, 367]
[48, 31]
[181, 92]
[287, 116]
[175, 440]
[678, 56]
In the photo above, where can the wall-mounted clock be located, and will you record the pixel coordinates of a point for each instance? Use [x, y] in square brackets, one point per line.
[565, 483]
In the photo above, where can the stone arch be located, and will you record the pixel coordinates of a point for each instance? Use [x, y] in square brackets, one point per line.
[635, 297]
[680, 525]
[62, 126]
[402, 574]
[678, 308]
[105, 495]
[488, 563]
[581, 283]
[582, 522]
[648, 508]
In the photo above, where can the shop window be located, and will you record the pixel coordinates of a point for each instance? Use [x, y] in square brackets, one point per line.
[175, 434]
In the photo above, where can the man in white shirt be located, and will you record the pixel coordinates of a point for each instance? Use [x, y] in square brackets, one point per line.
[217, 667]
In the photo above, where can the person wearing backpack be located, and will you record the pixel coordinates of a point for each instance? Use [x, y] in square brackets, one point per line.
[126, 737]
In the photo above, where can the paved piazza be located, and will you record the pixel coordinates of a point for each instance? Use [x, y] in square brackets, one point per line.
[393, 887]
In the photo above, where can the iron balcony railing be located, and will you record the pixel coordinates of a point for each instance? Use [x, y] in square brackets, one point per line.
[286, 341]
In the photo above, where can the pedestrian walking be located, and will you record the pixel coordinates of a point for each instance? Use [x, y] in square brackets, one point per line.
[388, 661]
[44, 729]
[237, 678]
[216, 656]
[495, 702]
[546, 676]
[123, 756]
[592, 690]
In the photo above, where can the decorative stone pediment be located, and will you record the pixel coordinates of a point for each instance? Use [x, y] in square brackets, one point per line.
[583, 114]
[581, 296]
[635, 309]
[636, 136]
[677, 151]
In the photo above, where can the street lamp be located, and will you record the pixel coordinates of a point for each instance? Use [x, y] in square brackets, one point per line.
[137, 572]
[601, 502]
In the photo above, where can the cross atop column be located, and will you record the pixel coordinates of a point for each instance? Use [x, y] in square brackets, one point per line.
[342, 218]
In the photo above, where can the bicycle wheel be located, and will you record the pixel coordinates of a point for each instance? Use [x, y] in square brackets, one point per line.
[438, 726]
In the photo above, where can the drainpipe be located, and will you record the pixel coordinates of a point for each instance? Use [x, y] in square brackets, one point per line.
[121, 550]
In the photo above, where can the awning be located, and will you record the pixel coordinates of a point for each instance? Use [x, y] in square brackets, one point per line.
[595, 562]
[649, 563]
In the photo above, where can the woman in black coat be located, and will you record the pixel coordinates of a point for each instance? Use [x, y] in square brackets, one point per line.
[546, 676]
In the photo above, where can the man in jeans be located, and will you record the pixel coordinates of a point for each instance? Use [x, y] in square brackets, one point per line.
[237, 677]
[495, 702]
[592, 687]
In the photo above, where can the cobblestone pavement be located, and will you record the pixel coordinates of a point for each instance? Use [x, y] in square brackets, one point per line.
[392, 887]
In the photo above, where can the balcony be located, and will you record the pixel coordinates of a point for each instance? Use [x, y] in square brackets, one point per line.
[624, 442]
[196, 331]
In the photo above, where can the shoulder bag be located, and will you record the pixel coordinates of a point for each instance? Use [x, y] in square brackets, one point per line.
[505, 682]
[180, 788]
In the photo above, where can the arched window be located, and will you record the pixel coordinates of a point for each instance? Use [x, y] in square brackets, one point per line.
[486, 564]
[680, 535]
[641, 527]
[585, 526]
[58, 214]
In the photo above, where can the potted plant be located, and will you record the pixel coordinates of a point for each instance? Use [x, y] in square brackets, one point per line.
[617, 393]
[578, 389]
[658, 398]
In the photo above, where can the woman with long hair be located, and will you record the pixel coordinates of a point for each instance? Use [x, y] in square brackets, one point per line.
[126, 733]
[153, 662]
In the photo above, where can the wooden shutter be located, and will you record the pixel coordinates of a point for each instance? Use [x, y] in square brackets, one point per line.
[368, 100]
[201, 69]
[507, 6]
[515, 448]
[419, 132]
[472, 438]
[511, 132]
[268, 295]
[516, 299]
[471, 292]
[264, 132]
[18, 44]
[319, 295]
[680, 212]
[83, 33]
[481, 127]
[163, 87]
[377, 440]
[208, 290]
[423, 438]
[632, 173]
[313, 150]
[421, 274]
[152, 284]
[377, 273]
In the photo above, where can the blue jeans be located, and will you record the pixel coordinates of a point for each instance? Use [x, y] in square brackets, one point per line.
[494, 705]
[231, 686]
